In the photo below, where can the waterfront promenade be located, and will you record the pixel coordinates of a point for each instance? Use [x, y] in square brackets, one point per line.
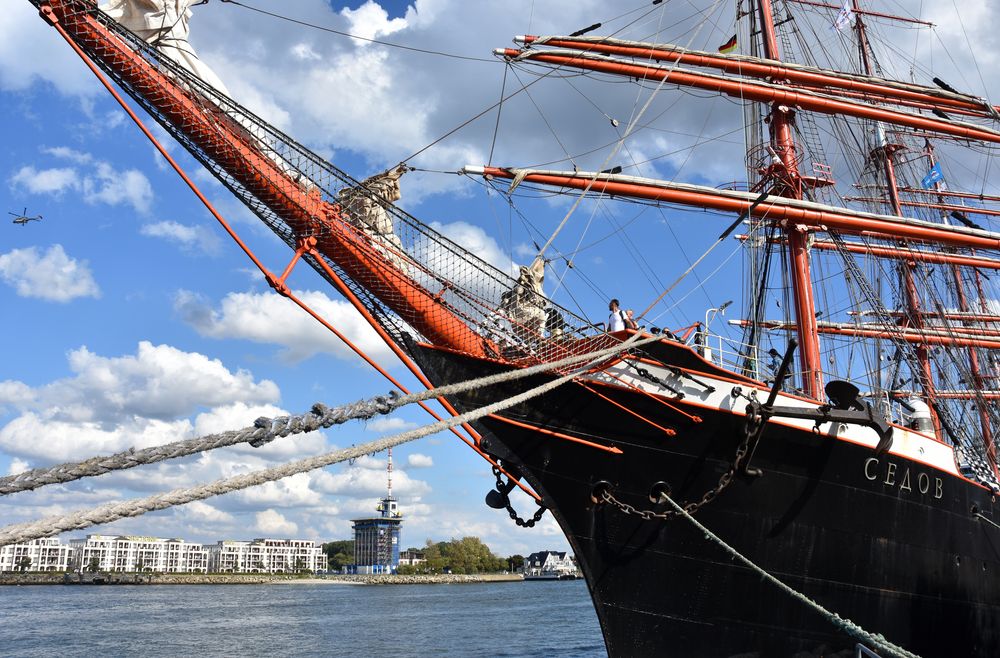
[57, 578]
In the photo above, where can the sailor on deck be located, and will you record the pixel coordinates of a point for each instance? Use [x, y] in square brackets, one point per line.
[616, 321]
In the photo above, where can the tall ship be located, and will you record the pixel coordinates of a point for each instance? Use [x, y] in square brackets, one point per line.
[837, 437]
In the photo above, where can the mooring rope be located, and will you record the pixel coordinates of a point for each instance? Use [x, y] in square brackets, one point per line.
[264, 430]
[988, 520]
[54, 525]
[846, 625]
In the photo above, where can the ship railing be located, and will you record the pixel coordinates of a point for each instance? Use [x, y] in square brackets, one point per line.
[729, 353]
[861, 651]
[758, 363]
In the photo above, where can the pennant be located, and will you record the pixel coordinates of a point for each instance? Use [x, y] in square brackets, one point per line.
[728, 46]
[933, 176]
[844, 17]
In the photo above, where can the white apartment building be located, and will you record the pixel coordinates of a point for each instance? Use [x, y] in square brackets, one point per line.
[127, 553]
[132, 553]
[36, 555]
[266, 556]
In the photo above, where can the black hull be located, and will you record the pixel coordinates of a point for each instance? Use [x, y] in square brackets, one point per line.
[891, 544]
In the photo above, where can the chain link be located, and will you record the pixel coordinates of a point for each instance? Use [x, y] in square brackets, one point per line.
[753, 421]
[524, 523]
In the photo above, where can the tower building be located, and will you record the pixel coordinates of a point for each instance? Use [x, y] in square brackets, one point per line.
[376, 539]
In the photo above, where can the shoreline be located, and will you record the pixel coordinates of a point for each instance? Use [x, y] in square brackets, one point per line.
[59, 578]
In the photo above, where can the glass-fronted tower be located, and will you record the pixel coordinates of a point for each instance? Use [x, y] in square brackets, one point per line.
[376, 539]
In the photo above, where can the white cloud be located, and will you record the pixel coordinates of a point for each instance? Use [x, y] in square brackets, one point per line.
[388, 425]
[476, 241]
[113, 403]
[113, 187]
[159, 381]
[270, 318]
[305, 52]
[188, 237]
[370, 21]
[100, 183]
[18, 466]
[79, 439]
[30, 50]
[273, 524]
[417, 460]
[240, 414]
[363, 481]
[52, 276]
[295, 491]
[199, 510]
[66, 153]
[46, 181]
[15, 393]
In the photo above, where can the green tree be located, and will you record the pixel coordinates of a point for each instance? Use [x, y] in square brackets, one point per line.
[94, 565]
[339, 554]
[515, 563]
[24, 563]
[465, 555]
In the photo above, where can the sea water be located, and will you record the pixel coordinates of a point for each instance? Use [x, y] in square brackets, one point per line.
[548, 618]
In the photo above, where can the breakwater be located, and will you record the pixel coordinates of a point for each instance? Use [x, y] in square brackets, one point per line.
[59, 578]
[421, 579]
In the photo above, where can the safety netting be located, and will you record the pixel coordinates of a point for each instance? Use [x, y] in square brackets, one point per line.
[415, 283]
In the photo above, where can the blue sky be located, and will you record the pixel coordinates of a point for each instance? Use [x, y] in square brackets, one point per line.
[130, 318]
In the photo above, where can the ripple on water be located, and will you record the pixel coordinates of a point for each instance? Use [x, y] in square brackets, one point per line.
[483, 619]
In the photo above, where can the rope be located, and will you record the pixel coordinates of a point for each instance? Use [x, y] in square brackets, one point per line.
[845, 625]
[629, 129]
[988, 520]
[359, 38]
[54, 525]
[264, 430]
[725, 234]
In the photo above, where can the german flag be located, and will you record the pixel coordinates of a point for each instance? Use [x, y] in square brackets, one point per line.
[728, 46]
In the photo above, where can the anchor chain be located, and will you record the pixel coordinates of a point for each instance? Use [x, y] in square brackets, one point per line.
[753, 420]
[524, 523]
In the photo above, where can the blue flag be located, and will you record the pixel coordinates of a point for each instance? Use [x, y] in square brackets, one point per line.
[933, 176]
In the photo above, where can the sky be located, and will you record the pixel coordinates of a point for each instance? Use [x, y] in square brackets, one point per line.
[130, 319]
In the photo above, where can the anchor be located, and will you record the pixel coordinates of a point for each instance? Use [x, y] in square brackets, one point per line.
[844, 407]
[499, 497]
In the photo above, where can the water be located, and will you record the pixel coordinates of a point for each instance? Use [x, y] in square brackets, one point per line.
[490, 619]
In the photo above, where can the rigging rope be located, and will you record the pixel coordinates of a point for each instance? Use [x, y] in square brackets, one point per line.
[22, 532]
[725, 234]
[264, 430]
[359, 38]
[846, 625]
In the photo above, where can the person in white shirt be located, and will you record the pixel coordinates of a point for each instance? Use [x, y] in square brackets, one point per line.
[616, 321]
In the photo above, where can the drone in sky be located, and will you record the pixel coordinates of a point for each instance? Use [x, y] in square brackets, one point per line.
[23, 218]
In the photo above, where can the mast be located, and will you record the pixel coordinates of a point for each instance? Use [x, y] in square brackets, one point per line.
[884, 153]
[978, 381]
[790, 185]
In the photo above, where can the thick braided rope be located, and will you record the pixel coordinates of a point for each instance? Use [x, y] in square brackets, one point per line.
[265, 430]
[22, 532]
[846, 625]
